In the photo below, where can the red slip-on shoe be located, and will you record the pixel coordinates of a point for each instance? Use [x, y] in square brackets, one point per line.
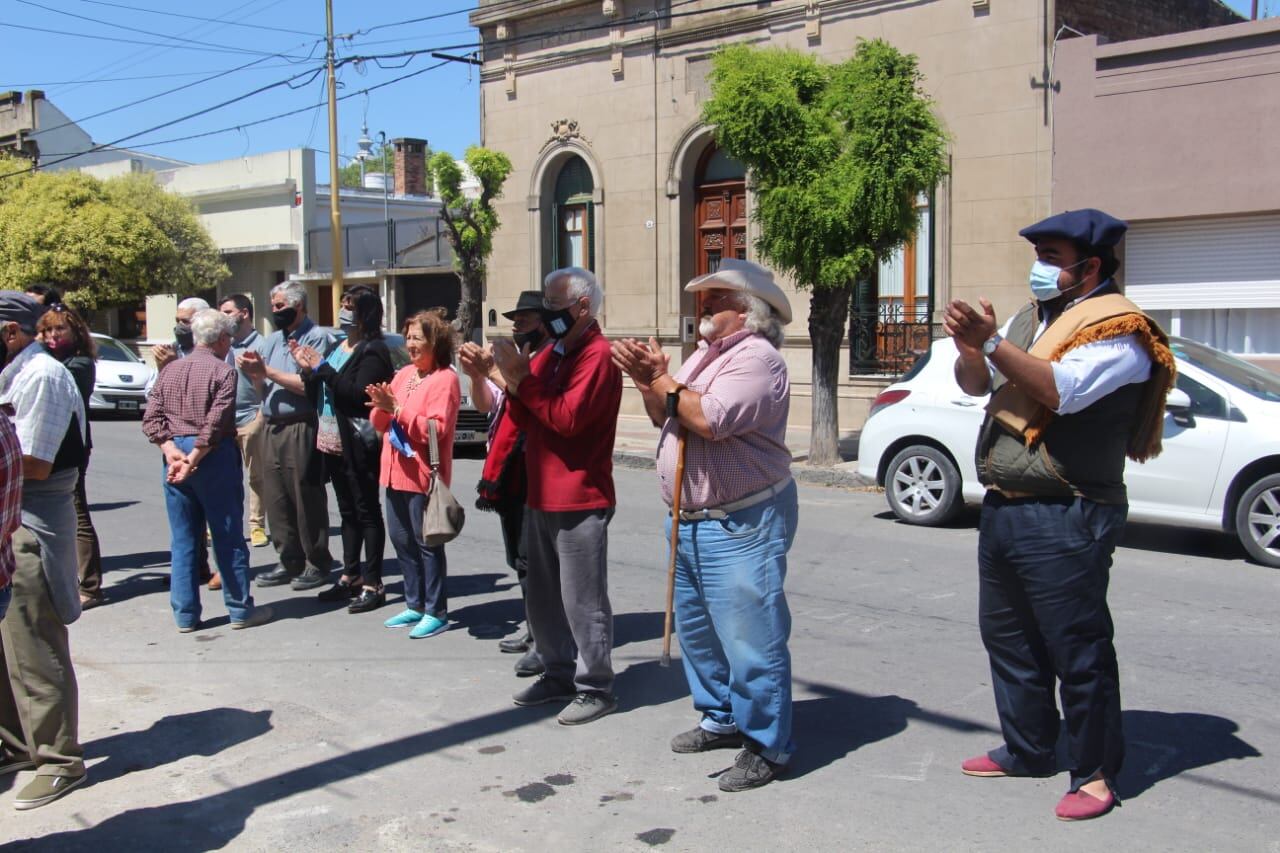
[1078, 805]
[982, 765]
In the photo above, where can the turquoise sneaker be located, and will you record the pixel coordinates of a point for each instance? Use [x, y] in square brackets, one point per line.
[428, 627]
[401, 620]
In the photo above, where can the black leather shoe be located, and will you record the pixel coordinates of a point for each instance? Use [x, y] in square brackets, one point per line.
[516, 646]
[340, 591]
[530, 665]
[310, 579]
[367, 600]
[279, 576]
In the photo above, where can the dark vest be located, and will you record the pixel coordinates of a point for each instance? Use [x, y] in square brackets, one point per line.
[1079, 454]
[71, 453]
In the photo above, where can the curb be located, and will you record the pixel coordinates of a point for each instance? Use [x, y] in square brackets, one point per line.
[835, 477]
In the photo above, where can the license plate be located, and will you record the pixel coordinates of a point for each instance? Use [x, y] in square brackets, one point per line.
[127, 405]
[466, 401]
[464, 435]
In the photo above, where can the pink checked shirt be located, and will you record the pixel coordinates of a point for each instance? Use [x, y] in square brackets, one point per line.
[745, 398]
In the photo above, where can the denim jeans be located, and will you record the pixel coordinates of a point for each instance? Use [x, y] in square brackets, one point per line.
[212, 496]
[424, 567]
[733, 621]
[5, 595]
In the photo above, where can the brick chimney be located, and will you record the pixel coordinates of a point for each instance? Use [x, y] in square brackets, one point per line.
[411, 166]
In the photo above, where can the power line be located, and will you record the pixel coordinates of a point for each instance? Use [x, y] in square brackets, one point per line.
[48, 83]
[206, 20]
[367, 30]
[145, 43]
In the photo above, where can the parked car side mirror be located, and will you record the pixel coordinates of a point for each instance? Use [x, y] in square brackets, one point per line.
[1178, 405]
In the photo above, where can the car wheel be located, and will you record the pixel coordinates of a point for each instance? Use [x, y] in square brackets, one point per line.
[1258, 521]
[922, 486]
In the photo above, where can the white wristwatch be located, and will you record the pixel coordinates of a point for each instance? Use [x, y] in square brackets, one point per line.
[990, 344]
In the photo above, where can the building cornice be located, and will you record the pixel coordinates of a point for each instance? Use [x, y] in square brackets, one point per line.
[505, 10]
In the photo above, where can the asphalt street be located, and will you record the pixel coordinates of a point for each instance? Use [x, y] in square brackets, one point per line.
[323, 730]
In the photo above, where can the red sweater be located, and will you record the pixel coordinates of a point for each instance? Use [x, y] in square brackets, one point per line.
[568, 409]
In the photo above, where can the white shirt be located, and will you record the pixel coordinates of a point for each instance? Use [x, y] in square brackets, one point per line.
[44, 397]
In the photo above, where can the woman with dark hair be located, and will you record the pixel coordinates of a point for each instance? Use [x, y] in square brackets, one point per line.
[424, 393]
[67, 339]
[352, 450]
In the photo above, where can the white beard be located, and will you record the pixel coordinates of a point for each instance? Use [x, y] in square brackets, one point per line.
[707, 328]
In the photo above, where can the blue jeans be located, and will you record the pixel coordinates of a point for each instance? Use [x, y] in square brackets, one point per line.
[212, 496]
[733, 621]
[424, 567]
[5, 595]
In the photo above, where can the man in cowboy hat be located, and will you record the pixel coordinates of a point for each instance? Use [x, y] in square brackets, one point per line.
[739, 514]
[1078, 381]
[503, 486]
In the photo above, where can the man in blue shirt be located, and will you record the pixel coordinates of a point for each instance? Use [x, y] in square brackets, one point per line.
[239, 308]
[293, 472]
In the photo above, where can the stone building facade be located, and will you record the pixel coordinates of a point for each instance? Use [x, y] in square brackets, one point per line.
[597, 102]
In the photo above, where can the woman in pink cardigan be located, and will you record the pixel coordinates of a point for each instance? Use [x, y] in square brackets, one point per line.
[423, 391]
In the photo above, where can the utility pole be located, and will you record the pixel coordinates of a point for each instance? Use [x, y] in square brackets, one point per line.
[335, 210]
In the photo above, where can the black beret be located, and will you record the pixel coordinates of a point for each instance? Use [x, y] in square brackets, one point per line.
[20, 308]
[1088, 226]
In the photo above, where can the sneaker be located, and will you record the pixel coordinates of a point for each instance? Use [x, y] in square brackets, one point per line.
[368, 599]
[258, 537]
[545, 689]
[259, 616]
[749, 771]
[10, 763]
[587, 707]
[516, 645]
[44, 789]
[428, 627]
[309, 579]
[530, 664]
[187, 629]
[343, 590]
[279, 576]
[701, 740]
[404, 619]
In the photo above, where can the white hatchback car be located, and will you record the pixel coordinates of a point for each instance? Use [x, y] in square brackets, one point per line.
[1220, 468]
[122, 378]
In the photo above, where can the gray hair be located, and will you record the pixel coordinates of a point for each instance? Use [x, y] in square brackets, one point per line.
[208, 325]
[193, 303]
[579, 283]
[763, 320]
[294, 293]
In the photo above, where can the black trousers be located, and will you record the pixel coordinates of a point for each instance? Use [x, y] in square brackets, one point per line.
[356, 488]
[1043, 566]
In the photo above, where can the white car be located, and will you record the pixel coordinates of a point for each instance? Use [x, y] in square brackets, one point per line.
[122, 378]
[1220, 469]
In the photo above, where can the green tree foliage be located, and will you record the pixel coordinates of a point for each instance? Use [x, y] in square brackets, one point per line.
[103, 242]
[470, 221]
[837, 156]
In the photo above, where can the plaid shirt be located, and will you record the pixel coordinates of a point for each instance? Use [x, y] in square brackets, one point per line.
[45, 399]
[193, 396]
[10, 495]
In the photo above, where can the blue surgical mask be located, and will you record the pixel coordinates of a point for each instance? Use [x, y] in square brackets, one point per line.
[1044, 280]
[346, 320]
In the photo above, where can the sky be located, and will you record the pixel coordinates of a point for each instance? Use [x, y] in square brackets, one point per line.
[96, 77]
[84, 76]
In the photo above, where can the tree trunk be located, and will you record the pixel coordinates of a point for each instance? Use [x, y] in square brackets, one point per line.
[828, 316]
[468, 305]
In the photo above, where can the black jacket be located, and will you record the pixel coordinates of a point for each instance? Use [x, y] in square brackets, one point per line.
[369, 364]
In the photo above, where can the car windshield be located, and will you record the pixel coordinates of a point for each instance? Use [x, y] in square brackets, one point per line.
[1235, 372]
[109, 350]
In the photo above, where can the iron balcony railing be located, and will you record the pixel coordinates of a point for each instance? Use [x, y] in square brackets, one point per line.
[887, 339]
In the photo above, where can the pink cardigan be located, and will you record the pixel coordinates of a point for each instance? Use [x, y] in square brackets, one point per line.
[437, 398]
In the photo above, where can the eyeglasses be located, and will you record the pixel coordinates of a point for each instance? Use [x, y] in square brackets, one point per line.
[58, 308]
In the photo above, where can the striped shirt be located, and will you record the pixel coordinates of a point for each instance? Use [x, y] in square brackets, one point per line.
[195, 396]
[746, 397]
[10, 495]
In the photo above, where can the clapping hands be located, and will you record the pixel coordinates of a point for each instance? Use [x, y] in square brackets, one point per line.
[643, 363]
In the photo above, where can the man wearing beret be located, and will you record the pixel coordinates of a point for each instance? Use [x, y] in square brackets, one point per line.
[39, 703]
[738, 515]
[1078, 379]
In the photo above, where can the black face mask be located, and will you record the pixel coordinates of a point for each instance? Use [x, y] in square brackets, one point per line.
[284, 318]
[533, 339]
[182, 334]
[559, 323]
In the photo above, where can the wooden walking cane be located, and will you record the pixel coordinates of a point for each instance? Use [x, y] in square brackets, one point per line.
[673, 402]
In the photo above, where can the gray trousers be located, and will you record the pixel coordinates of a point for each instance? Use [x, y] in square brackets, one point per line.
[568, 596]
[293, 487]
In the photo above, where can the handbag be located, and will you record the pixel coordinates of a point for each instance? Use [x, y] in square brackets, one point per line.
[328, 440]
[443, 516]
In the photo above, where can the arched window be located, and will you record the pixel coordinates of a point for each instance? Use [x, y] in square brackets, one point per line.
[573, 217]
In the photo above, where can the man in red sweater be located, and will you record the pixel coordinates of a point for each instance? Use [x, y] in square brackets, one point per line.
[566, 400]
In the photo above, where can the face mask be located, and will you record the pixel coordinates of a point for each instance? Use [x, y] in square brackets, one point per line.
[346, 320]
[533, 339]
[559, 323]
[284, 318]
[182, 334]
[1044, 280]
[61, 349]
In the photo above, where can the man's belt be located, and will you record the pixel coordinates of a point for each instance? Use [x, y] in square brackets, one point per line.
[723, 511]
[295, 418]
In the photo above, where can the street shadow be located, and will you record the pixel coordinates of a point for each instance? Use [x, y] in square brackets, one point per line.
[842, 721]
[107, 506]
[489, 620]
[648, 684]
[140, 560]
[479, 584]
[136, 584]
[1162, 745]
[214, 821]
[637, 628]
[1184, 541]
[174, 738]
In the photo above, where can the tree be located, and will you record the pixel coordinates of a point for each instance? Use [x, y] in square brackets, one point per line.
[470, 221]
[837, 155]
[383, 160]
[103, 242]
